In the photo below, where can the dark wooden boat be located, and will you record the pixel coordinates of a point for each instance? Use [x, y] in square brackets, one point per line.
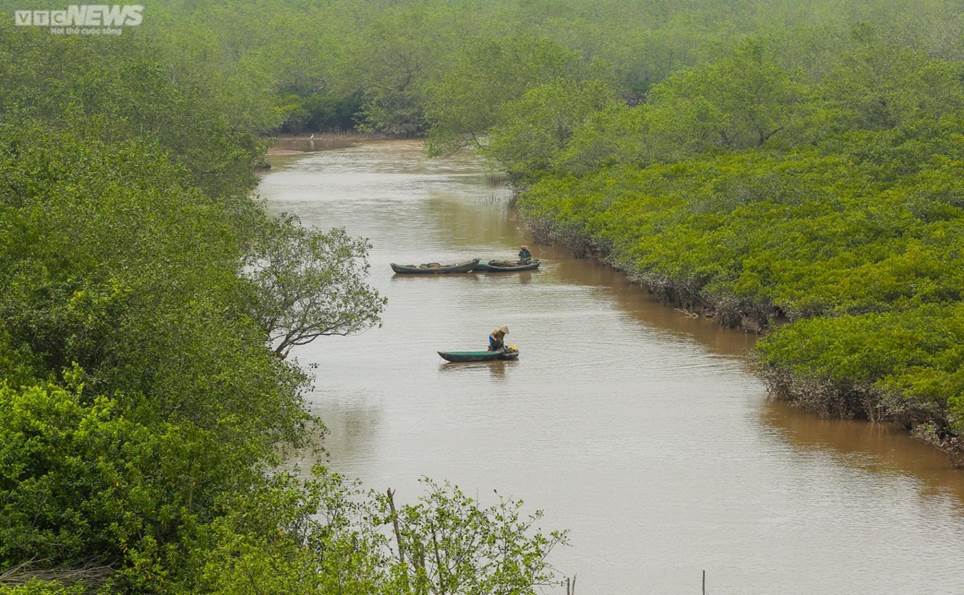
[506, 266]
[434, 268]
[477, 356]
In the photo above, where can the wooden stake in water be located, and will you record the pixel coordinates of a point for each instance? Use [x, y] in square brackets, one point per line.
[704, 582]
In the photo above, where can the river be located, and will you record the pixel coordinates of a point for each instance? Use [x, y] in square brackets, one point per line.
[641, 430]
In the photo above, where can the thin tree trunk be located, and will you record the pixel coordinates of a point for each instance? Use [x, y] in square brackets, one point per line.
[398, 535]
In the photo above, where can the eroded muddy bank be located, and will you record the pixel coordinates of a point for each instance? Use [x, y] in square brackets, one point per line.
[853, 401]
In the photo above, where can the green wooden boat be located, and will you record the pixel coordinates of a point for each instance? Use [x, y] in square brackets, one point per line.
[435, 268]
[506, 266]
[477, 356]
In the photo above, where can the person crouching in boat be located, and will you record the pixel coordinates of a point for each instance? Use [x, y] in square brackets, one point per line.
[524, 255]
[497, 338]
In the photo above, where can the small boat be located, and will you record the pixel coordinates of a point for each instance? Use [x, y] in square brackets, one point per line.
[506, 266]
[477, 356]
[434, 268]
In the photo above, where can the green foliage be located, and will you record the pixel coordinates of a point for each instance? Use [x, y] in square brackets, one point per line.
[613, 135]
[311, 110]
[288, 536]
[394, 73]
[447, 543]
[44, 587]
[138, 391]
[129, 87]
[881, 85]
[118, 287]
[122, 280]
[85, 482]
[740, 101]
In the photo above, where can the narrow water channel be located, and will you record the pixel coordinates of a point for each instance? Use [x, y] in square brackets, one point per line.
[637, 428]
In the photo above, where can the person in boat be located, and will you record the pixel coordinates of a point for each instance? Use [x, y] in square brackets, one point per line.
[524, 255]
[497, 338]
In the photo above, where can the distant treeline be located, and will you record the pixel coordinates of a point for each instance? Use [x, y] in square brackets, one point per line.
[442, 67]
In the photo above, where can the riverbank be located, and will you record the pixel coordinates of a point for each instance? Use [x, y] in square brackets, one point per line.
[295, 144]
[826, 396]
[289, 145]
[854, 327]
[752, 318]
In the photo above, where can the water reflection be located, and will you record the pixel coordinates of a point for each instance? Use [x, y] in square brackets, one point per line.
[878, 448]
[428, 279]
[478, 224]
[350, 431]
[495, 370]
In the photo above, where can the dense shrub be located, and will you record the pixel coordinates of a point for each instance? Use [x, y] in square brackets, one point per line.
[834, 203]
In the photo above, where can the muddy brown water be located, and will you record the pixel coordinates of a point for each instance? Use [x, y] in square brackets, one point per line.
[641, 430]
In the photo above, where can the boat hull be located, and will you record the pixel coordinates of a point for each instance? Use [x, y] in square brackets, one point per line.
[477, 356]
[497, 266]
[448, 269]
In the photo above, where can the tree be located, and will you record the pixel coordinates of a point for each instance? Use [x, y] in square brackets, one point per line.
[880, 85]
[739, 101]
[135, 87]
[535, 127]
[466, 100]
[326, 535]
[306, 283]
[448, 543]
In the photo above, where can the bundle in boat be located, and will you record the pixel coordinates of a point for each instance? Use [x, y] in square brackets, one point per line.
[434, 268]
[506, 266]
